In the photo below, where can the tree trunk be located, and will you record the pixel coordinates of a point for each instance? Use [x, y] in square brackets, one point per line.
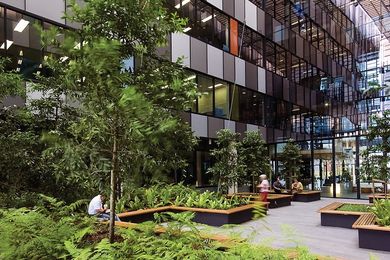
[114, 170]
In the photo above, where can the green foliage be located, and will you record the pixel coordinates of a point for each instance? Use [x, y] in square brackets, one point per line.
[254, 155]
[381, 210]
[291, 160]
[376, 158]
[178, 195]
[354, 207]
[228, 169]
[39, 233]
[34, 234]
[259, 211]
[10, 82]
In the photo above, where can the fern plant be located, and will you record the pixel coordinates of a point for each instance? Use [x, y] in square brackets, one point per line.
[381, 210]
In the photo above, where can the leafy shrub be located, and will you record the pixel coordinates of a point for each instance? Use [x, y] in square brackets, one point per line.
[39, 233]
[381, 210]
[18, 199]
[142, 242]
[178, 195]
[354, 207]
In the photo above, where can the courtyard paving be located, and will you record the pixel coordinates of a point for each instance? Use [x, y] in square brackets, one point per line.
[299, 224]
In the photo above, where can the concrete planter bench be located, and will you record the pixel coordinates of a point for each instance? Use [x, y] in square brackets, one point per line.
[332, 217]
[372, 236]
[274, 200]
[213, 217]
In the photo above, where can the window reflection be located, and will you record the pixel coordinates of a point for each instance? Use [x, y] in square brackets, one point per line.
[221, 99]
[205, 101]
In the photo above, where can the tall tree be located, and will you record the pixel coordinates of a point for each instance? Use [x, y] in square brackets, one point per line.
[376, 163]
[125, 120]
[254, 155]
[291, 160]
[228, 168]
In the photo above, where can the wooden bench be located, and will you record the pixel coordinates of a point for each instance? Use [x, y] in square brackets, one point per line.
[378, 197]
[307, 196]
[372, 236]
[274, 200]
[332, 217]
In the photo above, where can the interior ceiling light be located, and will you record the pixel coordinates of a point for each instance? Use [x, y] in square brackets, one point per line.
[187, 29]
[182, 4]
[210, 87]
[190, 78]
[218, 85]
[22, 24]
[9, 43]
[208, 18]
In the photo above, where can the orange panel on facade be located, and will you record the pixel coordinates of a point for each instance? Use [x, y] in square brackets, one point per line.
[233, 37]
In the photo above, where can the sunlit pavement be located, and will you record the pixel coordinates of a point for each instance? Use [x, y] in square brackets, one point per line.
[299, 224]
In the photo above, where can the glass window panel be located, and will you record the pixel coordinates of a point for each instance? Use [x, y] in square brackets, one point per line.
[257, 53]
[221, 99]
[234, 89]
[205, 101]
[24, 43]
[221, 31]
[205, 22]
[2, 32]
[270, 56]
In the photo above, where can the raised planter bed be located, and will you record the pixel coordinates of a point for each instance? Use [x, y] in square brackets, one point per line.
[304, 196]
[274, 200]
[372, 236]
[213, 217]
[332, 217]
[307, 196]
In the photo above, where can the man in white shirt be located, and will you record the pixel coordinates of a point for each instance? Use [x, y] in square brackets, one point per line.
[96, 208]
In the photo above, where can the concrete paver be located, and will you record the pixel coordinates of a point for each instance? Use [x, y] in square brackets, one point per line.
[300, 224]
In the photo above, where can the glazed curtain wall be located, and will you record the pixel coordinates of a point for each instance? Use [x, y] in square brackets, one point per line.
[277, 49]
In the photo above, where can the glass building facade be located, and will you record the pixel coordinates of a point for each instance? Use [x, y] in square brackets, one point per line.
[289, 69]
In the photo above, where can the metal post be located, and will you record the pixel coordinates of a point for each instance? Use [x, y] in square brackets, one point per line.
[357, 163]
[334, 165]
[312, 152]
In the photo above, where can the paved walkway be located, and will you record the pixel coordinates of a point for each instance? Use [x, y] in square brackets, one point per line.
[301, 224]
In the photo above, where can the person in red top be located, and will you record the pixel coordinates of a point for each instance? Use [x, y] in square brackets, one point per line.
[264, 187]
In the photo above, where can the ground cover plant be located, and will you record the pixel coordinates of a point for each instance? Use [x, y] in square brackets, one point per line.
[354, 207]
[381, 210]
[178, 195]
[54, 230]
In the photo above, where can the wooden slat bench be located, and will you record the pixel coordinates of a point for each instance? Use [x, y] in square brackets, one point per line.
[307, 196]
[372, 236]
[330, 216]
[274, 200]
[378, 197]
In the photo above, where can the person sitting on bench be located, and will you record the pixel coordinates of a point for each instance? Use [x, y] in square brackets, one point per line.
[96, 208]
[277, 185]
[296, 187]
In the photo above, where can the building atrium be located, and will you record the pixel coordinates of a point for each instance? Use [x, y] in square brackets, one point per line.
[271, 117]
